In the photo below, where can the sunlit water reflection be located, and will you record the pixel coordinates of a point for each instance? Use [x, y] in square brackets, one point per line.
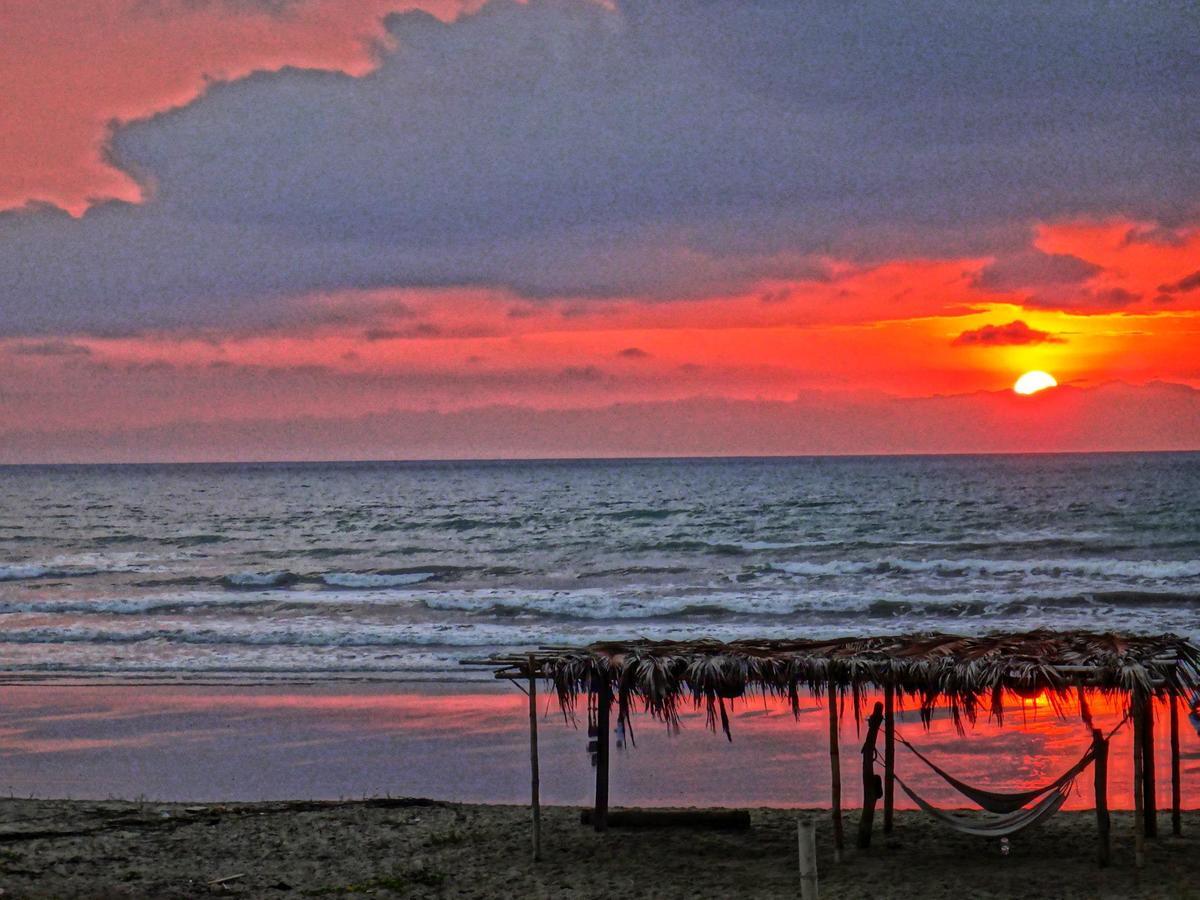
[471, 744]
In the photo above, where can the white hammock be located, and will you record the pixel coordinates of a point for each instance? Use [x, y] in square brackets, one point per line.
[1008, 815]
[992, 825]
[996, 801]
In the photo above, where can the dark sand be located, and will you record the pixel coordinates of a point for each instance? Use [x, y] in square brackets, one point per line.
[420, 848]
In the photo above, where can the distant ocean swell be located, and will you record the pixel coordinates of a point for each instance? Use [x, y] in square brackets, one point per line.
[204, 610]
[409, 567]
[1150, 569]
[239, 580]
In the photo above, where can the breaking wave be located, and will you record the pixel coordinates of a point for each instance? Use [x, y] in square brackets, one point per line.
[956, 568]
[31, 571]
[278, 566]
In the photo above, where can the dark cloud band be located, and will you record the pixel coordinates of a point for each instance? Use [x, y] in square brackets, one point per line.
[661, 150]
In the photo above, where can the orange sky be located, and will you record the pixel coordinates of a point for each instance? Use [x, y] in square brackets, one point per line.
[887, 329]
[849, 329]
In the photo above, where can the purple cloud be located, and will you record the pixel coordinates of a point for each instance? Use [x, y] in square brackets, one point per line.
[1183, 285]
[1031, 269]
[1015, 333]
[659, 149]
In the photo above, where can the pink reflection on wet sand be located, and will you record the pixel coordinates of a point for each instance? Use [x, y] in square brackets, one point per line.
[470, 743]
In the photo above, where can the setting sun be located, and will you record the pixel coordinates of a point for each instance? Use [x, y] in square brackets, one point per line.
[1032, 382]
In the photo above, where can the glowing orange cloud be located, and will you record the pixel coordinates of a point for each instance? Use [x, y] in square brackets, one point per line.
[69, 68]
[854, 333]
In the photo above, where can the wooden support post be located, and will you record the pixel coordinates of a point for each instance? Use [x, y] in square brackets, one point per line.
[603, 707]
[1136, 702]
[806, 830]
[889, 756]
[872, 787]
[1149, 798]
[535, 787]
[1176, 780]
[835, 768]
[1103, 821]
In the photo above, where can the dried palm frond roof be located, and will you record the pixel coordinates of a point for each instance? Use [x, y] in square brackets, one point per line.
[966, 674]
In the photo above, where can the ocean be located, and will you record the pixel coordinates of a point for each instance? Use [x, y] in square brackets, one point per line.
[402, 569]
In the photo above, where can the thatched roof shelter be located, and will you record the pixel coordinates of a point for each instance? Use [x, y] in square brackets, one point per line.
[964, 674]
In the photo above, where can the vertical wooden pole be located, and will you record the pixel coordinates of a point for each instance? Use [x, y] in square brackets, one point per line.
[535, 788]
[872, 789]
[1103, 821]
[835, 768]
[806, 833]
[1176, 780]
[889, 756]
[1149, 798]
[1139, 820]
[603, 707]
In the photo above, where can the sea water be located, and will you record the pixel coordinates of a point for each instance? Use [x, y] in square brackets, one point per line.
[406, 568]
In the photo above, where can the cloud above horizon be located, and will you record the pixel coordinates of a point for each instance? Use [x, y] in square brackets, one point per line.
[657, 150]
[1183, 285]
[1015, 333]
[1032, 268]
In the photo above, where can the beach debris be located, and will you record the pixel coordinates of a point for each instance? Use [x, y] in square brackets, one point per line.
[220, 882]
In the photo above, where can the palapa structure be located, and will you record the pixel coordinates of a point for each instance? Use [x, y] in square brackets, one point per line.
[966, 675]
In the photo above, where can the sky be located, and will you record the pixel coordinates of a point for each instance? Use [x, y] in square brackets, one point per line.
[306, 229]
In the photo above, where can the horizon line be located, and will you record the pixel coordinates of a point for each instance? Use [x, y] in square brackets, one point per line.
[586, 459]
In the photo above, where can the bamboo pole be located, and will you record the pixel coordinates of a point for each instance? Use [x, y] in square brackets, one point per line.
[835, 768]
[1139, 820]
[889, 755]
[1149, 795]
[1176, 779]
[1103, 820]
[603, 706]
[535, 786]
[872, 789]
[806, 833]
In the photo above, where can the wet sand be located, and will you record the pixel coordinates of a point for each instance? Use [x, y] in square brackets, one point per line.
[424, 848]
[206, 743]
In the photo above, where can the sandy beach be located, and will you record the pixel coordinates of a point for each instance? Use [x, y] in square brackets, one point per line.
[742, 417]
[426, 848]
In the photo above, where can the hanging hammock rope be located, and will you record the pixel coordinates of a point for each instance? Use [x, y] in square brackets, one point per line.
[1011, 813]
[995, 826]
[997, 801]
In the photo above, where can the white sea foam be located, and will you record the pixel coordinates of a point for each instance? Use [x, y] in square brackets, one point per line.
[599, 604]
[275, 643]
[265, 598]
[1155, 569]
[23, 571]
[76, 565]
[375, 580]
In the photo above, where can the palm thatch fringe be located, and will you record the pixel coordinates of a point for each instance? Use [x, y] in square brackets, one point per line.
[964, 674]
